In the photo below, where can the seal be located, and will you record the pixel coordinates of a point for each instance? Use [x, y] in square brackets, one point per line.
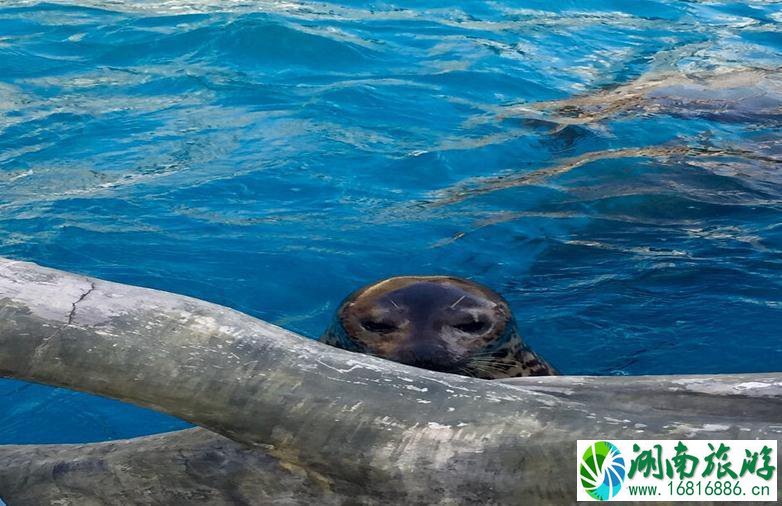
[441, 323]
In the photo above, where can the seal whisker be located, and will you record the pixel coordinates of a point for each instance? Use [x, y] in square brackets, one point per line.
[458, 301]
[488, 371]
[484, 358]
[480, 361]
[465, 372]
[486, 367]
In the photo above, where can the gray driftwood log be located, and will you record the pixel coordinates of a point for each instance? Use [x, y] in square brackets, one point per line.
[292, 421]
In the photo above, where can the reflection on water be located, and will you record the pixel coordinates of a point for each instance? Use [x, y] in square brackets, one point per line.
[742, 162]
[723, 95]
[612, 167]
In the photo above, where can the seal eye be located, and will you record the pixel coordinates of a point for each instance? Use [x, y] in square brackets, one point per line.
[471, 327]
[378, 327]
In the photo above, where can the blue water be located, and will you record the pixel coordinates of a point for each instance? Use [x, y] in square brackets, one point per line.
[273, 156]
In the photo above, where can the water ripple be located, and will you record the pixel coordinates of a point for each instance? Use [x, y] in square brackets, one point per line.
[613, 168]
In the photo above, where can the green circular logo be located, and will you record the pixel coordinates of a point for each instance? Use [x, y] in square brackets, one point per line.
[602, 470]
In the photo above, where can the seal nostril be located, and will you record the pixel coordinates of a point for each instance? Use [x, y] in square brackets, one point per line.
[378, 327]
[471, 327]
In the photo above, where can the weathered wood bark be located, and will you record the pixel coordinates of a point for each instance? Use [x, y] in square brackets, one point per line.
[193, 466]
[321, 422]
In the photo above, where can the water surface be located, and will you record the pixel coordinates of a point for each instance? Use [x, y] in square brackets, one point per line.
[611, 167]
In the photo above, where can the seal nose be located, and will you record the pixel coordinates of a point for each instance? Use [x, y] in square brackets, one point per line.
[426, 355]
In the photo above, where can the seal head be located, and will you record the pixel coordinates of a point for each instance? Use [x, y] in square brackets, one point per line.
[441, 323]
